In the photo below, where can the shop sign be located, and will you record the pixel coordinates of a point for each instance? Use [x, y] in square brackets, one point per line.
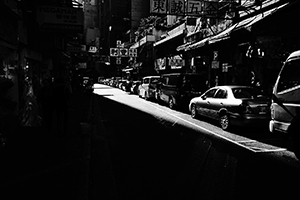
[216, 55]
[158, 6]
[225, 67]
[118, 61]
[93, 49]
[65, 18]
[132, 53]
[82, 65]
[114, 52]
[123, 52]
[185, 7]
[215, 64]
[160, 64]
[119, 43]
[176, 62]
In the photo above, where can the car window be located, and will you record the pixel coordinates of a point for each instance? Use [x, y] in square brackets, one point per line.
[221, 94]
[241, 93]
[210, 93]
[146, 81]
[173, 80]
[289, 76]
[154, 80]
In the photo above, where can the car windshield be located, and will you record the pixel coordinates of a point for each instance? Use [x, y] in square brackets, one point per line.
[290, 76]
[155, 80]
[246, 93]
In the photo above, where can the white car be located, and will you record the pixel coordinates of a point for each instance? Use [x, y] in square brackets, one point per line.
[233, 105]
[147, 87]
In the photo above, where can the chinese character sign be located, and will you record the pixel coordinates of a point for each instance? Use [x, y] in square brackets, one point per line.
[132, 53]
[176, 6]
[114, 52]
[194, 7]
[158, 6]
[185, 7]
[123, 52]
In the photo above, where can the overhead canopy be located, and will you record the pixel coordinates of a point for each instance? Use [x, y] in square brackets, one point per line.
[226, 34]
[176, 32]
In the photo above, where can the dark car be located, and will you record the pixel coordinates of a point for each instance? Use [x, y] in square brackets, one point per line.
[178, 89]
[233, 105]
[135, 87]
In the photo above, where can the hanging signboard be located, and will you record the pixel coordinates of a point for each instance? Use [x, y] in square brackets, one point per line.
[123, 52]
[114, 52]
[60, 18]
[160, 64]
[176, 62]
[132, 53]
[225, 67]
[215, 64]
[118, 61]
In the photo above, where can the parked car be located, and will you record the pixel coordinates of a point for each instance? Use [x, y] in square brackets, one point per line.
[178, 89]
[135, 87]
[233, 105]
[148, 86]
[285, 106]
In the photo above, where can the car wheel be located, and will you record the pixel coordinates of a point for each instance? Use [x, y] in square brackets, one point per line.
[194, 111]
[224, 122]
[171, 103]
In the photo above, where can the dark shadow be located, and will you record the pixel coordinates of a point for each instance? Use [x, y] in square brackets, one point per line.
[153, 157]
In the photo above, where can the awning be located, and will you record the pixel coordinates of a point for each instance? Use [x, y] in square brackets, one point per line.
[178, 31]
[246, 23]
[181, 32]
[199, 44]
[144, 40]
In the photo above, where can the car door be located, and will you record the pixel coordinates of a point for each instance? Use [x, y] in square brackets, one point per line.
[218, 102]
[163, 85]
[204, 103]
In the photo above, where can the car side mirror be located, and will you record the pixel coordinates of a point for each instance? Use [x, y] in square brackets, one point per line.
[203, 97]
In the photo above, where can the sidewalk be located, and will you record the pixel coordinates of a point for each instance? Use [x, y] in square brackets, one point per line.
[44, 165]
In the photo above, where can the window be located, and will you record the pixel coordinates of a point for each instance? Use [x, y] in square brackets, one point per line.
[247, 93]
[221, 94]
[146, 80]
[173, 80]
[155, 80]
[210, 93]
[164, 80]
[289, 76]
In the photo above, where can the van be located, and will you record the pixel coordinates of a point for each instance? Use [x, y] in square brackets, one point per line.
[147, 87]
[177, 89]
[285, 105]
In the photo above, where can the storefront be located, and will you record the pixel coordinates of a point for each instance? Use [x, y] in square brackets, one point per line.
[141, 64]
[251, 51]
[167, 59]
